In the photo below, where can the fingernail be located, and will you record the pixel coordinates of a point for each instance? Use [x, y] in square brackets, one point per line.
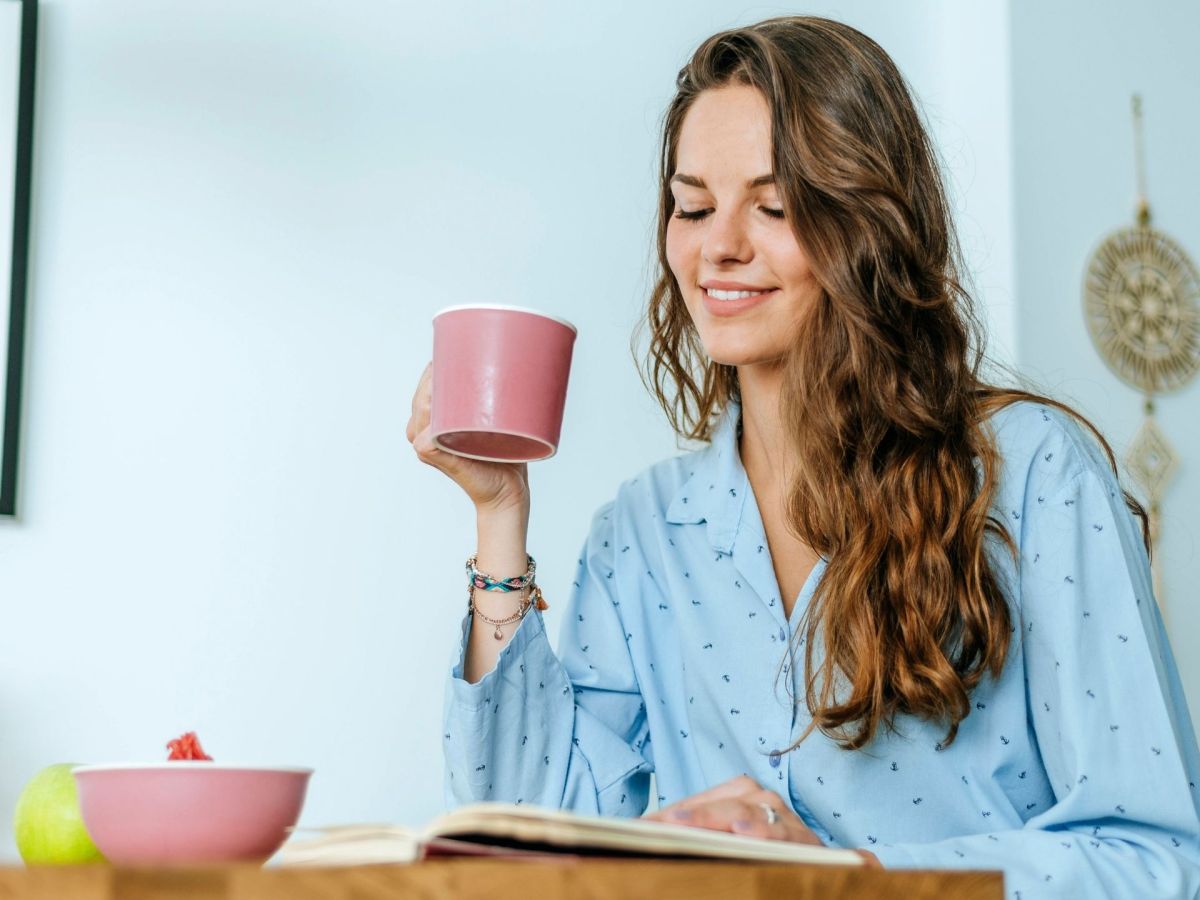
[742, 825]
[683, 815]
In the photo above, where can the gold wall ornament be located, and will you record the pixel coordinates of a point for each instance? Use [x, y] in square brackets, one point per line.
[1152, 463]
[1150, 459]
[1141, 303]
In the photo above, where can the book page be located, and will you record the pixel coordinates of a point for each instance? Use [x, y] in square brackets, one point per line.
[349, 845]
[545, 829]
[506, 829]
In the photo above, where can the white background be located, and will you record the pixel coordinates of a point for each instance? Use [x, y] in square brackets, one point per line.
[244, 216]
[1075, 66]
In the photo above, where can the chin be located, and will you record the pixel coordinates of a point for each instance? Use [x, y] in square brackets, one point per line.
[739, 350]
[743, 356]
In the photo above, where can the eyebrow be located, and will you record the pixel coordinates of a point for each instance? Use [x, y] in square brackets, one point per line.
[699, 182]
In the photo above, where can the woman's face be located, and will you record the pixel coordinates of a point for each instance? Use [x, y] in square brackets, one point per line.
[743, 275]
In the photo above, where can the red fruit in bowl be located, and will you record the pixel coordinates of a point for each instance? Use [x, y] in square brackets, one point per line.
[187, 746]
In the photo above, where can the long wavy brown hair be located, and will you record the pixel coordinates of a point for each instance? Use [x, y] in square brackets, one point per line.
[883, 388]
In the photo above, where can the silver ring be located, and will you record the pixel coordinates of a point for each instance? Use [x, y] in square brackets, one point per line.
[772, 818]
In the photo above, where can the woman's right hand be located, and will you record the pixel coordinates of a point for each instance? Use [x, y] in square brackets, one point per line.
[492, 487]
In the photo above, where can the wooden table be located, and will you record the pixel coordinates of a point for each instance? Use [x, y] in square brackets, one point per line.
[499, 880]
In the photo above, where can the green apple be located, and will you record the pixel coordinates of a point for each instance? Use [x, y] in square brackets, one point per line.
[48, 826]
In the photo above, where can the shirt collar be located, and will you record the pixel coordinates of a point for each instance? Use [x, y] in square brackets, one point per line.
[717, 487]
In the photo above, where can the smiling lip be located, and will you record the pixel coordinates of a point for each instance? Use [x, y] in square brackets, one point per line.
[731, 286]
[728, 308]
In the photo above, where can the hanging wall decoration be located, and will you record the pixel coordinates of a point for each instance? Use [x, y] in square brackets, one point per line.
[1141, 299]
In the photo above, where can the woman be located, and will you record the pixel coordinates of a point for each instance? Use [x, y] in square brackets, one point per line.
[889, 606]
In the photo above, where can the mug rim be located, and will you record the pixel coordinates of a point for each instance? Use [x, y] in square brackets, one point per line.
[437, 442]
[504, 306]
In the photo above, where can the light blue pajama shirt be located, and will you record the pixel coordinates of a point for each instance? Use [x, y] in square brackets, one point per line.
[1075, 772]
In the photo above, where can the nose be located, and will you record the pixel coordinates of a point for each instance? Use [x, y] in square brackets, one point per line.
[726, 240]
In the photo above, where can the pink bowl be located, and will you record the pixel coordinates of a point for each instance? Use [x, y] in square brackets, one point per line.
[189, 812]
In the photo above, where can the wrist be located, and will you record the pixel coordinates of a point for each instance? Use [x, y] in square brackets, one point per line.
[505, 503]
[509, 511]
[501, 538]
[493, 518]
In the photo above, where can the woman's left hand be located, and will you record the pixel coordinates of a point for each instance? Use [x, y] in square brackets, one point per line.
[739, 806]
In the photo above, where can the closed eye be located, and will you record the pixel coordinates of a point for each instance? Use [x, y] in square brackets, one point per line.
[696, 215]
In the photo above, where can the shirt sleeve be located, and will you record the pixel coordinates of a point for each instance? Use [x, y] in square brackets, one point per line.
[1108, 713]
[565, 732]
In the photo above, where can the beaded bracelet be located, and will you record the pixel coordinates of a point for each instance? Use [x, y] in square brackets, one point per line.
[486, 582]
[477, 580]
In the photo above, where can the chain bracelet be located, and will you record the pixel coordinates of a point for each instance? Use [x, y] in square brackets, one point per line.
[496, 623]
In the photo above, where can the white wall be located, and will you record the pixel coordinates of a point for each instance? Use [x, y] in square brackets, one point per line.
[1075, 65]
[244, 217]
[970, 105]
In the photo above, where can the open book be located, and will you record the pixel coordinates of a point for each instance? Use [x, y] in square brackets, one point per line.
[504, 829]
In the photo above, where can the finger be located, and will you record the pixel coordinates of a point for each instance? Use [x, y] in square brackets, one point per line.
[735, 787]
[764, 815]
[422, 403]
[787, 826]
[422, 399]
[412, 429]
[753, 823]
[433, 455]
[717, 815]
[424, 385]
[750, 818]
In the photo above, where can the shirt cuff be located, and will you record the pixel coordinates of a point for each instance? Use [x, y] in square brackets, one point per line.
[472, 696]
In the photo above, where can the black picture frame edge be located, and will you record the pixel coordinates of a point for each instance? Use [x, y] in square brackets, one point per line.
[20, 261]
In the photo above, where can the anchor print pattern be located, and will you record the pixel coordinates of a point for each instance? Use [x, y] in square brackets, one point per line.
[675, 658]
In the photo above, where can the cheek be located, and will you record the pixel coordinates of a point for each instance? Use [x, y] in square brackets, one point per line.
[790, 261]
[679, 254]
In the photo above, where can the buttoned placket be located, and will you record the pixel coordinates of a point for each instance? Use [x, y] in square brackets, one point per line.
[718, 493]
[752, 558]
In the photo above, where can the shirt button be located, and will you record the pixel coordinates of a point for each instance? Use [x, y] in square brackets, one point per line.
[774, 759]
[782, 635]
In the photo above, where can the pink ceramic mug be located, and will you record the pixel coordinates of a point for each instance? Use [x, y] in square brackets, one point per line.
[499, 382]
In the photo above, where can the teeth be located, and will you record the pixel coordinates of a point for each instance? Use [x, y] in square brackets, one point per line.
[732, 295]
